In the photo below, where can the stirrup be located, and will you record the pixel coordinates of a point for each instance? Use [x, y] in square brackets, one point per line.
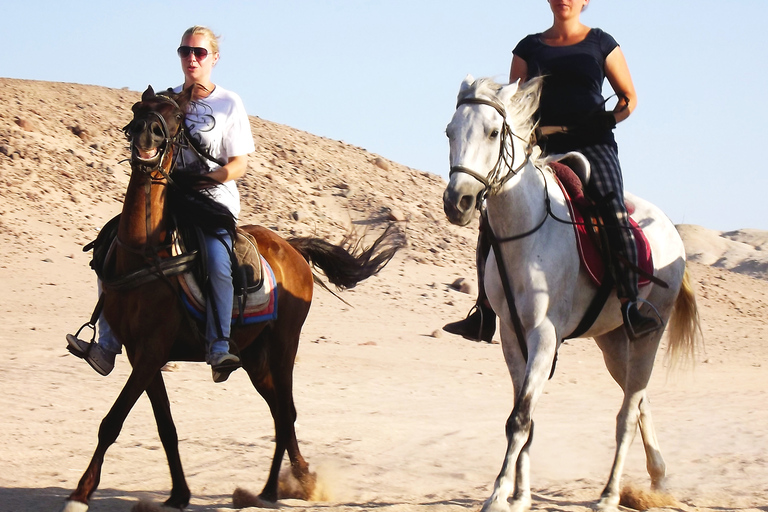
[485, 329]
[76, 352]
[221, 371]
[634, 335]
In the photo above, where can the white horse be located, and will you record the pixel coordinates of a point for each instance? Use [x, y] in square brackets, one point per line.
[491, 158]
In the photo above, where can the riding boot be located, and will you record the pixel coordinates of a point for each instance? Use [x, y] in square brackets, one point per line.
[480, 323]
[637, 324]
[219, 306]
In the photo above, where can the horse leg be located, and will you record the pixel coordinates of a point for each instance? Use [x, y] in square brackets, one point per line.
[286, 424]
[275, 385]
[161, 407]
[110, 428]
[528, 381]
[521, 498]
[654, 462]
[631, 364]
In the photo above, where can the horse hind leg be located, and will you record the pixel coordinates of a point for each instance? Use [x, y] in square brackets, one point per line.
[631, 364]
[161, 408]
[654, 461]
[275, 384]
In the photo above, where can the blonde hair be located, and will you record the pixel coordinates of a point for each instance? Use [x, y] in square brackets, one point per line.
[204, 31]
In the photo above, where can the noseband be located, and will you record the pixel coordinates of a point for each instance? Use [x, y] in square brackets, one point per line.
[168, 140]
[502, 171]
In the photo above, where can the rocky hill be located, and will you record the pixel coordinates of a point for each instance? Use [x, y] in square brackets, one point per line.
[61, 168]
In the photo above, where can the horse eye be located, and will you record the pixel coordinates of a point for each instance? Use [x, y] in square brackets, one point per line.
[494, 134]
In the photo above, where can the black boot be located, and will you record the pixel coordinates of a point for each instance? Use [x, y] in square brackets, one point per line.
[637, 324]
[480, 324]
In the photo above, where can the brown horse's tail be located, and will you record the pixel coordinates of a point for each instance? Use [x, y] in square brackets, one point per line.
[684, 327]
[344, 265]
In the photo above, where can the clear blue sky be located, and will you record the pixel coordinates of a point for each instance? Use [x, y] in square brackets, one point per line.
[383, 75]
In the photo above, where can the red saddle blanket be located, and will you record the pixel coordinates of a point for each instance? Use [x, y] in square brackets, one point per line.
[589, 253]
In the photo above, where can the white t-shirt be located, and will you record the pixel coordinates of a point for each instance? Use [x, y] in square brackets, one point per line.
[219, 123]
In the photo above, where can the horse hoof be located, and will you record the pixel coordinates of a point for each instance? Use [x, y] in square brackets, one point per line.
[178, 503]
[245, 499]
[607, 504]
[495, 506]
[520, 505]
[74, 506]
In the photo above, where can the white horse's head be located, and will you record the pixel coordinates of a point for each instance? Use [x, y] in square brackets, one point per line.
[490, 137]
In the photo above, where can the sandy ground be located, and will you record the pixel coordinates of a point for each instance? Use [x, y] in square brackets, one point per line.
[391, 415]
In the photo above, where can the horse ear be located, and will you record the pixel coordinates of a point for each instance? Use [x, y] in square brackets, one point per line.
[148, 94]
[506, 93]
[466, 83]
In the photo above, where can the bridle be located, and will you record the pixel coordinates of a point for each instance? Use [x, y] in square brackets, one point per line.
[502, 171]
[151, 253]
[168, 141]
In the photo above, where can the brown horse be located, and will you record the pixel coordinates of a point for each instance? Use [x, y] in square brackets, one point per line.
[153, 326]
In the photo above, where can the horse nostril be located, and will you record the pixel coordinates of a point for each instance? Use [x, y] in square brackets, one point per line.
[157, 130]
[467, 203]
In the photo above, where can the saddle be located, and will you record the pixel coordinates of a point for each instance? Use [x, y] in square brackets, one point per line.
[252, 277]
[572, 173]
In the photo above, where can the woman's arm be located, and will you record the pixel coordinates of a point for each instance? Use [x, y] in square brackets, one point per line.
[617, 73]
[518, 70]
[234, 169]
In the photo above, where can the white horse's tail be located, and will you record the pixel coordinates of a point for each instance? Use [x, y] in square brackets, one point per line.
[684, 329]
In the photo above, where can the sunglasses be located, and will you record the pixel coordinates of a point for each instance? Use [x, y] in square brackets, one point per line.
[184, 51]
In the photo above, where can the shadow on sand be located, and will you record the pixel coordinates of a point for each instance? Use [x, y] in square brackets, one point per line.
[21, 499]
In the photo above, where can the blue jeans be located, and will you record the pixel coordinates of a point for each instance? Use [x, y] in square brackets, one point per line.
[222, 291]
[107, 340]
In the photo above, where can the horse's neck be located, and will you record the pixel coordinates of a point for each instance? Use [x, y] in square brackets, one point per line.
[142, 223]
[519, 206]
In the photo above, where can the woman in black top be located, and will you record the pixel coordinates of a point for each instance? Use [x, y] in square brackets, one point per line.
[575, 60]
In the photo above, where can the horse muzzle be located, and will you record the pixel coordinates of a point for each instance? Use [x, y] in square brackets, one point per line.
[146, 157]
[458, 206]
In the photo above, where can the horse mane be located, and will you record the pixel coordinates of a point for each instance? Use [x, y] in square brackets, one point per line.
[193, 206]
[520, 107]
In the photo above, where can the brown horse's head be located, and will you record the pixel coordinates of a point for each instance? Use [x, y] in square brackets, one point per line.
[157, 121]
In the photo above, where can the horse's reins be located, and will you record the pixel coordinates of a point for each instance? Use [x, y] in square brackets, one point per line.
[493, 183]
[160, 267]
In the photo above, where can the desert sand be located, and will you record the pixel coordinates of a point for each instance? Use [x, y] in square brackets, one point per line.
[393, 414]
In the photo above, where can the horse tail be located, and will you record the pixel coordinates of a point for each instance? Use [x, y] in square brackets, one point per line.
[684, 325]
[345, 265]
